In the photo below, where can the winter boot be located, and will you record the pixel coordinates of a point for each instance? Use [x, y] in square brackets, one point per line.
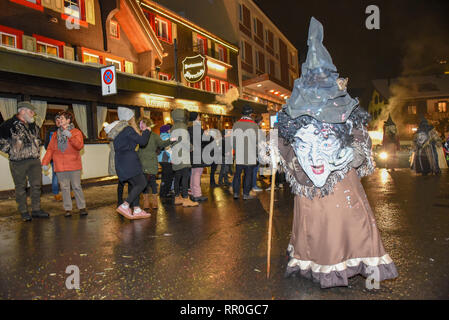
[154, 201]
[178, 201]
[146, 201]
[189, 203]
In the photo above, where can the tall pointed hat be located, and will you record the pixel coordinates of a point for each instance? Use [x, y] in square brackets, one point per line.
[424, 125]
[319, 92]
[389, 121]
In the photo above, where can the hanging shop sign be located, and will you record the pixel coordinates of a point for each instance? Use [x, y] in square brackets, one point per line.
[194, 68]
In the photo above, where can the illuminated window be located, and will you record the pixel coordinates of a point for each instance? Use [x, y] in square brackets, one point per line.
[213, 85]
[221, 53]
[8, 40]
[129, 67]
[117, 64]
[162, 29]
[223, 87]
[202, 45]
[87, 57]
[442, 106]
[114, 30]
[72, 8]
[411, 109]
[47, 49]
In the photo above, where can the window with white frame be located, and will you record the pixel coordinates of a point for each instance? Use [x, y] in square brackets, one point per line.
[221, 53]
[8, 40]
[162, 29]
[117, 64]
[242, 50]
[223, 87]
[213, 85]
[201, 43]
[240, 13]
[258, 61]
[72, 8]
[411, 109]
[442, 106]
[46, 48]
[114, 29]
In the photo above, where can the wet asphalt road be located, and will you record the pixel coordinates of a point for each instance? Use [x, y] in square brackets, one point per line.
[218, 250]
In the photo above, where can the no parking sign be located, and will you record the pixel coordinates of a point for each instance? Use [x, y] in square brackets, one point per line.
[108, 83]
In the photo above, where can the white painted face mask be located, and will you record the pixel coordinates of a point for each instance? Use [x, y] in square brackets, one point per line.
[422, 138]
[320, 153]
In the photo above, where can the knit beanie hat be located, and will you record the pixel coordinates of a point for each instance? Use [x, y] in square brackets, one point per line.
[125, 113]
[165, 128]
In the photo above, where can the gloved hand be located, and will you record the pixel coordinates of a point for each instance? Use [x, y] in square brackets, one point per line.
[67, 133]
[45, 168]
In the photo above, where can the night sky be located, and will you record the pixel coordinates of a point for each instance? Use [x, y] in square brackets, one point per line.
[413, 35]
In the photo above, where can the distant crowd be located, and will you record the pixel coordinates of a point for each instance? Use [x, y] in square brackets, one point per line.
[136, 157]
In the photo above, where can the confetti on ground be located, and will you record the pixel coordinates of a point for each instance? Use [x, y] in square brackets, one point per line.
[52, 274]
[83, 254]
[432, 260]
[128, 257]
[168, 234]
[257, 270]
[108, 269]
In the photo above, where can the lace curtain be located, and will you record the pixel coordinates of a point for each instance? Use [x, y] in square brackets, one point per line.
[102, 112]
[8, 108]
[41, 111]
[80, 111]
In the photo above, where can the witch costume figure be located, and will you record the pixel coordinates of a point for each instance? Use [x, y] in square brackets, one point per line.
[390, 143]
[324, 149]
[425, 142]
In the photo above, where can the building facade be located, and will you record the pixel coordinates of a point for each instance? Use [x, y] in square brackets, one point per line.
[268, 63]
[51, 53]
[408, 100]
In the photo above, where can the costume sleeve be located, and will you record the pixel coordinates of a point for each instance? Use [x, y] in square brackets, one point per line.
[50, 150]
[76, 140]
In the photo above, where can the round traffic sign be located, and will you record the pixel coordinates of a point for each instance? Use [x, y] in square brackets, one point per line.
[108, 77]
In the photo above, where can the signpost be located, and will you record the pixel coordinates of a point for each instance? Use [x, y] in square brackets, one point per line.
[108, 80]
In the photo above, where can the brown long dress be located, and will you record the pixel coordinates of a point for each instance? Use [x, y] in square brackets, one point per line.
[334, 237]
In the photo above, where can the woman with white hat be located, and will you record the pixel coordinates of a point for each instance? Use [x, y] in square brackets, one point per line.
[127, 164]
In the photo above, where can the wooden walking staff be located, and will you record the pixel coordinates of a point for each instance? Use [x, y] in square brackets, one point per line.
[270, 223]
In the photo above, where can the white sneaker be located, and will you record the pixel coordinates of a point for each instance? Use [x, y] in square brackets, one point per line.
[257, 189]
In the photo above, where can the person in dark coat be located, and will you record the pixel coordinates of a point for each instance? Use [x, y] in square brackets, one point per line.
[198, 165]
[127, 163]
[226, 160]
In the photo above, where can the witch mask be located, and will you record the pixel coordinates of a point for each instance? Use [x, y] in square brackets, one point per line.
[320, 152]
